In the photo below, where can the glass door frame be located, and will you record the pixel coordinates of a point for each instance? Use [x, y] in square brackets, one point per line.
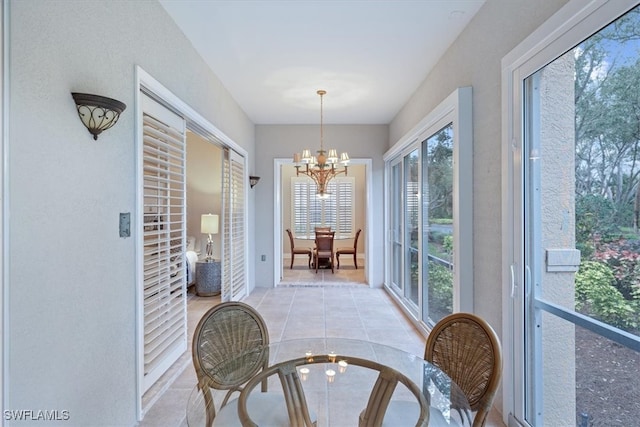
[456, 110]
[575, 22]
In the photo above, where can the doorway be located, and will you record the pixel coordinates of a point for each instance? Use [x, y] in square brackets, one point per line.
[357, 215]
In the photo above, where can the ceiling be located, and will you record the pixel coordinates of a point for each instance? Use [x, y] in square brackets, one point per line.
[369, 55]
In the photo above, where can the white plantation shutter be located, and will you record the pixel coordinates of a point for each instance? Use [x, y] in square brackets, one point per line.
[344, 206]
[163, 219]
[308, 211]
[234, 281]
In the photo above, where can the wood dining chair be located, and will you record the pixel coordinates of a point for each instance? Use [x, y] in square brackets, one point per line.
[467, 349]
[230, 345]
[349, 251]
[296, 403]
[298, 251]
[324, 250]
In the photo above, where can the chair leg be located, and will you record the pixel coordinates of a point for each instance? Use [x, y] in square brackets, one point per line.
[317, 261]
[338, 259]
[292, 258]
[309, 260]
[355, 261]
[332, 264]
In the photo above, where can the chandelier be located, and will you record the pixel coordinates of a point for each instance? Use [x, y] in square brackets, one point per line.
[321, 169]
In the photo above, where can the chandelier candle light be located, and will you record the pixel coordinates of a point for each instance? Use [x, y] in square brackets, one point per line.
[323, 167]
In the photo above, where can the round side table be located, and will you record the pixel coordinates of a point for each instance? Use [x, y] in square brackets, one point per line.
[208, 278]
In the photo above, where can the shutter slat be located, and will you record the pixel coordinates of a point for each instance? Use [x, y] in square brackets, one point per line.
[164, 275]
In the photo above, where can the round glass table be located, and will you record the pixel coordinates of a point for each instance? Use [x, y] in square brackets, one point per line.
[337, 392]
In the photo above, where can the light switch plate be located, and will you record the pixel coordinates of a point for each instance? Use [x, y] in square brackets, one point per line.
[125, 224]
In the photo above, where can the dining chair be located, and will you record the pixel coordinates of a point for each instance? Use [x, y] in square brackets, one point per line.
[230, 345]
[296, 403]
[349, 251]
[321, 229]
[467, 349]
[298, 251]
[324, 249]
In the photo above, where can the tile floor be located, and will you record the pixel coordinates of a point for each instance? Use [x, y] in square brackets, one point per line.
[350, 310]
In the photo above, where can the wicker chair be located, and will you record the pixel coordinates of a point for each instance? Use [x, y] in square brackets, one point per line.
[297, 251]
[296, 404]
[349, 251]
[468, 350]
[230, 345]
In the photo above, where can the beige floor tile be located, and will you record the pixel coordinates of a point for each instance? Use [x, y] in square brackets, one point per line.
[310, 305]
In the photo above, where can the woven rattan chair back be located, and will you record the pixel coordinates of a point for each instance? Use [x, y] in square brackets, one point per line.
[468, 350]
[230, 345]
[297, 408]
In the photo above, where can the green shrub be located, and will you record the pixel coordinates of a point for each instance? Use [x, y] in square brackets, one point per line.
[440, 286]
[597, 296]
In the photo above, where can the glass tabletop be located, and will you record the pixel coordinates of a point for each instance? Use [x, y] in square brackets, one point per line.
[337, 392]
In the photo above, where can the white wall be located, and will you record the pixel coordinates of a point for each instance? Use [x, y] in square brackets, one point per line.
[204, 190]
[280, 141]
[474, 60]
[71, 278]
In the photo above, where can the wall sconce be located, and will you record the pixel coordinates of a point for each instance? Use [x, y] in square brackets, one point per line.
[253, 180]
[97, 112]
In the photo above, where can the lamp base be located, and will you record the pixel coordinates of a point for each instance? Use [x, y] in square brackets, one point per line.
[209, 250]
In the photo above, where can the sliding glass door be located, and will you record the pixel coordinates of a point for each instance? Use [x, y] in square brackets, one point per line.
[577, 241]
[429, 212]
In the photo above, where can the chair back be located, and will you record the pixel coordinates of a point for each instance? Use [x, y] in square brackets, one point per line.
[297, 408]
[324, 244]
[468, 350]
[230, 345]
[322, 229]
[355, 241]
[290, 239]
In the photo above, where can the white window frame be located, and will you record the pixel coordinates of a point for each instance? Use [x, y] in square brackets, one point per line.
[572, 24]
[457, 110]
[336, 187]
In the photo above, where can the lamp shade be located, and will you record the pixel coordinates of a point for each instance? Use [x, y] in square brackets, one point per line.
[209, 224]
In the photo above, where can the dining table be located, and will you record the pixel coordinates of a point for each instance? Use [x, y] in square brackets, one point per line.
[312, 236]
[337, 392]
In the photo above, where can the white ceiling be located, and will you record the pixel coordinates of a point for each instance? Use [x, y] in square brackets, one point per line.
[369, 55]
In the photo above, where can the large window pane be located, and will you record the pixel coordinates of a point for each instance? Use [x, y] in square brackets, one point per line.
[437, 222]
[583, 203]
[412, 210]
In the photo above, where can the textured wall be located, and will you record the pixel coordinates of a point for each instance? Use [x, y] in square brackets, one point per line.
[71, 286]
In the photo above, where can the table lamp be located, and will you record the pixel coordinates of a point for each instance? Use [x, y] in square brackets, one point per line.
[209, 225]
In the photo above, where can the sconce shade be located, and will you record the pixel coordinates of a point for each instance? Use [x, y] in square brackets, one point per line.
[97, 112]
[253, 180]
[209, 224]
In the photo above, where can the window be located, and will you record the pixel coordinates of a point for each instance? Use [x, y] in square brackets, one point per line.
[429, 212]
[308, 211]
